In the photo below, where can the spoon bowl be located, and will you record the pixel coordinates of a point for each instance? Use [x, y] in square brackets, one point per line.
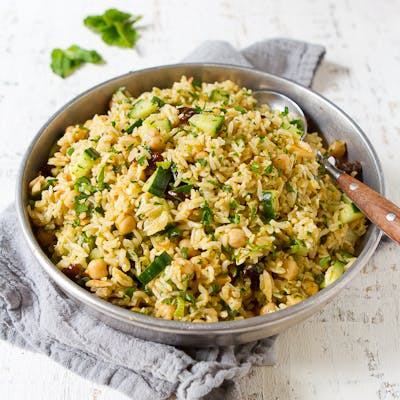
[278, 101]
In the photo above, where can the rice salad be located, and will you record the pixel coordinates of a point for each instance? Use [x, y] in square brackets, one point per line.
[194, 203]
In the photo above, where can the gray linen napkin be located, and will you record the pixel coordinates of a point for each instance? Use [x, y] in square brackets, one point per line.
[36, 315]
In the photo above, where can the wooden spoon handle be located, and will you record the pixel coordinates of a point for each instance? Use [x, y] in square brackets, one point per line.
[379, 210]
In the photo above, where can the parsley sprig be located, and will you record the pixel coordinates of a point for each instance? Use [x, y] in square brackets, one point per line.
[65, 62]
[115, 27]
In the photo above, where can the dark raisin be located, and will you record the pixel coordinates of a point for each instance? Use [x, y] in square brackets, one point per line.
[75, 272]
[353, 168]
[154, 159]
[176, 196]
[253, 273]
[185, 113]
[46, 170]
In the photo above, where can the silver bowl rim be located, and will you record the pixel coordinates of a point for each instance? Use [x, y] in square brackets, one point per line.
[182, 327]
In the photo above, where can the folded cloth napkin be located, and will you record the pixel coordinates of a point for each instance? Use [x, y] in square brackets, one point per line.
[35, 314]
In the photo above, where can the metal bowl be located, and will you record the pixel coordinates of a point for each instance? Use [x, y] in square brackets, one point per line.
[321, 114]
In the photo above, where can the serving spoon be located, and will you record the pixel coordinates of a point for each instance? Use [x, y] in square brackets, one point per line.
[379, 210]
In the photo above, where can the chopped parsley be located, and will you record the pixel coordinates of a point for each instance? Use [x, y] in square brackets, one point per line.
[81, 206]
[255, 167]
[141, 160]
[285, 112]
[268, 169]
[158, 101]
[49, 182]
[184, 251]
[171, 230]
[214, 289]
[298, 123]
[100, 181]
[99, 210]
[235, 219]
[196, 83]
[324, 261]
[207, 216]
[83, 185]
[241, 110]
[129, 291]
[70, 151]
[233, 204]
[289, 187]
[202, 162]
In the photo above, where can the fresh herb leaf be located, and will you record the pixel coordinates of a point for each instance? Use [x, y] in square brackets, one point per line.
[289, 187]
[65, 62]
[207, 216]
[214, 289]
[129, 291]
[285, 112]
[202, 162]
[80, 206]
[196, 83]
[241, 110]
[90, 241]
[100, 179]
[298, 123]
[49, 182]
[99, 210]
[268, 169]
[233, 204]
[255, 167]
[83, 185]
[171, 230]
[324, 261]
[115, 27]
[190, 298]
[158, 101]
[70, 151]
[141, 160]
[235, 219]
[184, 251]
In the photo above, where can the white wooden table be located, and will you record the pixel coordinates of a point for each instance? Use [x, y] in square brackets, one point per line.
[350, 350]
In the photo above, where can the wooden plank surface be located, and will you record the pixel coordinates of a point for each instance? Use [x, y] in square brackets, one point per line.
[351, 349]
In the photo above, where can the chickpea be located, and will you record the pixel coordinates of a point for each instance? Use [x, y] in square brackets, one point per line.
[268, 308]
[293, 299]
[125, 224]
[292, 269]
[188, 268]
[236, 238]
[337, 149]
[69, 199]
[201, 155]
[310, 287]
[283, 162]
[97, 269]
[191, 251]
[45, 237]
[36, 185]
[152, 137]
[166, 311]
